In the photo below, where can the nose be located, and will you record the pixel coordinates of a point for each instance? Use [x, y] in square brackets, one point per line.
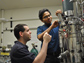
[30, 32]
[48, 16]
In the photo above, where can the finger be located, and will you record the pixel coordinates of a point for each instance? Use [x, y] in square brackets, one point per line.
[56, 20]
[50, 36]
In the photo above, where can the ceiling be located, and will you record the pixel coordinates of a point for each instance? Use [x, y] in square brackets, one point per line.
[15, 4]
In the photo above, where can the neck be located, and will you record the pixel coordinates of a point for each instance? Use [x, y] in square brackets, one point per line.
[48, 25]
[22, 41]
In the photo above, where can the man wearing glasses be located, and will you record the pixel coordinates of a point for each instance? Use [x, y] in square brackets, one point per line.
[52, 29]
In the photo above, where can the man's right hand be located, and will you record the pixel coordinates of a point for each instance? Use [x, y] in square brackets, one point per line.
[47, 37]
[58, 11]
[55, 24]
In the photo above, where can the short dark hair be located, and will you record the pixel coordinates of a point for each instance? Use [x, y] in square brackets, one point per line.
[41, 13]
[18, 28]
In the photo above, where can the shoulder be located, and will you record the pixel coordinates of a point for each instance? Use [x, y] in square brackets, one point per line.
[41, 26]
[18, 46]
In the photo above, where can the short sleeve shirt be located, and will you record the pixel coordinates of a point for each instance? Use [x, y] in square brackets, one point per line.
[55, 37]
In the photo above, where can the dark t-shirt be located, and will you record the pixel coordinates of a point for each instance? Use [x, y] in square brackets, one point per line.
[20, 54]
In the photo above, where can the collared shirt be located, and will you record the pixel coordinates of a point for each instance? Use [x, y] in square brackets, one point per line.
[54, 40]
[20, 54]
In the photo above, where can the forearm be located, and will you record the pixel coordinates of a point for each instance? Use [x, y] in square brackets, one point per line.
[40, 58]
[40, 36]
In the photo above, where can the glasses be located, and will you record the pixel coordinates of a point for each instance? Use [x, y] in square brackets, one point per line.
[46, 16]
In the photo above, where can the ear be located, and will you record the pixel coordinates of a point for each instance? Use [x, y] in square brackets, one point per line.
[21, 33]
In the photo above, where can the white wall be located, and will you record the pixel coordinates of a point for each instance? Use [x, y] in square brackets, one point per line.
[30, 13]
[0, 13]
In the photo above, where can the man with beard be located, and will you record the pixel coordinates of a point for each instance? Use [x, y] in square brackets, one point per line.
[20, 53]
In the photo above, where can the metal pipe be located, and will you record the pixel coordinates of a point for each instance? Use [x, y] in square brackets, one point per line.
[2, 28]
[26, 19]
[63, 54]
[82, 7]
[77, 8]
[8, 29]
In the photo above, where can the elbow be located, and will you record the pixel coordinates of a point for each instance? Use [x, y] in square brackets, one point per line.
[39, 38]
